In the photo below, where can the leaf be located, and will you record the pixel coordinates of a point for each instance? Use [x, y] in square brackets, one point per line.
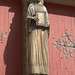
[55, 43]
[65, 53]
[69, 38]
[70, 34]
[64, 35]
[66, 49]
[60, 50]
[65, 39]
[71, 50]
[62, 44]
[71, 45]
[4, 36]
[67, 57]
[72, 55]
[59, 38]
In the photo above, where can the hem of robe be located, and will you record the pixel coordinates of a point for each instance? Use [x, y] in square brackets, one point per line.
[38, 69]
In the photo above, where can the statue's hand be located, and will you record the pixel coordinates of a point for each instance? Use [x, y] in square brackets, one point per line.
[36, 19]
[47, 25]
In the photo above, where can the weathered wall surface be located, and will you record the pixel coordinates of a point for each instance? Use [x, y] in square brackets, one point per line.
[11, 48]
[61, 18]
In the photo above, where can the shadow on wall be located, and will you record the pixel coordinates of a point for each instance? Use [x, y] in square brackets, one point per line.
[13, 51]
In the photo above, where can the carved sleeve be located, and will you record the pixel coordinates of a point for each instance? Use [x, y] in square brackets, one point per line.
[31, 11]
[30, 14]
[48, 24]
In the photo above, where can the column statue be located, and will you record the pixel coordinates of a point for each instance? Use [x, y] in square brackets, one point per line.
[38, 39]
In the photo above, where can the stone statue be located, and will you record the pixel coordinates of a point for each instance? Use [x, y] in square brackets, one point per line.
[38, 39]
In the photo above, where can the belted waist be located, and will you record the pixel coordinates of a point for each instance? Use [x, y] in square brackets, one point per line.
[40, 27]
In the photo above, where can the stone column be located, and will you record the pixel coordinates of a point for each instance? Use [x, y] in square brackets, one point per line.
[25, 38]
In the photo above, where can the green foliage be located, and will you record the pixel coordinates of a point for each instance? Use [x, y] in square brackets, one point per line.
[64, 45]
[55, 43]
[70, 34]
[65, 53]
[64, 35]
[67, 57]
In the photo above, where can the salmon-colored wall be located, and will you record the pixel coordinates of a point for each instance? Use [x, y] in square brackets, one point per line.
[61, 18]
[11, 59]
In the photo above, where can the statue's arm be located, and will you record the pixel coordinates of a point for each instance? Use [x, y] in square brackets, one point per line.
[47, 24]
[31, 13]
[31, 17]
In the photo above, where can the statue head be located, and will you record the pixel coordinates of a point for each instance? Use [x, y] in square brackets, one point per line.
[42, 1]
[35, 1]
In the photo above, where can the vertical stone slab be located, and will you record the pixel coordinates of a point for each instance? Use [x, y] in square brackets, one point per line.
[25, 38]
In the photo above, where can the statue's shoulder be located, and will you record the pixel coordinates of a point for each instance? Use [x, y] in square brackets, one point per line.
[44, 7]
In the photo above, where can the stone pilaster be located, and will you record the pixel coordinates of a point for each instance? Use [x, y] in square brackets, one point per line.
[25, 38]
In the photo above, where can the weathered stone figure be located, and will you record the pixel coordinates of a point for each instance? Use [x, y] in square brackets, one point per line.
[38, 35]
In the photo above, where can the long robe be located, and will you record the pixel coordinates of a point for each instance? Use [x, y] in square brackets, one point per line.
[38, 36]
